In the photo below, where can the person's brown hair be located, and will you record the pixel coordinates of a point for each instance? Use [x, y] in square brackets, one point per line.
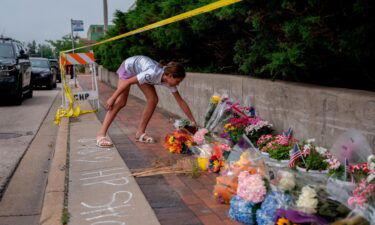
[175, 69]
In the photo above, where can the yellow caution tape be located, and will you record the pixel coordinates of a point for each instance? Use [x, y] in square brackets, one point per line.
[71, 111]
[75, 112]
[182, 16]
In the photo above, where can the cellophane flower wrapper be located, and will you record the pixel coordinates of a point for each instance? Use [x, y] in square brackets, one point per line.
[203, 154]
[241, 210]
[359, 197]
[354, 187]
[181, 123]
[353, 146]
[214, 101]
[244, 156]
[220, 113]
[274, 200]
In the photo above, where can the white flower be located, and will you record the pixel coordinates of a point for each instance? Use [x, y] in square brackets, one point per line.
[321, 150]
[371, 162]
[371, 166]
[255, 127]
[178, 124]
[311, 140]
[287, 181]
[307, 201]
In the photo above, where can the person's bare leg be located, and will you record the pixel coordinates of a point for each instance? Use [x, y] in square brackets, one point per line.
[152, 100]
[111, 114]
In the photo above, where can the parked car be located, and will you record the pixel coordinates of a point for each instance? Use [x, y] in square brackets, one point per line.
[15, 70]
[55, 65]
[42, 73]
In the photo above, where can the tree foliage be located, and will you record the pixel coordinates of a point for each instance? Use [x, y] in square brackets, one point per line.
[322, 42]
[40, 50]
[65, 43]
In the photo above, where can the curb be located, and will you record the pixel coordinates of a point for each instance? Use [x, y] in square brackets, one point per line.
[53, 203]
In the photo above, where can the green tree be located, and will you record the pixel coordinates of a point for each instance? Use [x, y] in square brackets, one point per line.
[46, 51]
[65, 43]
[322, 42]
[32, 48]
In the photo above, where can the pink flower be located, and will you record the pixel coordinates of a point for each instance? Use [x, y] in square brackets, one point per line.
[282, 140]
[225, 147]
[264, 138]
[251, 187]
[361, 194]
[199, 136]
[333, 162]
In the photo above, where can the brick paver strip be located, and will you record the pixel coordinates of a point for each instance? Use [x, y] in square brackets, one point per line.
[176, 199]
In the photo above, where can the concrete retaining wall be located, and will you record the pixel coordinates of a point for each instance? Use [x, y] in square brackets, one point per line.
[313, 111]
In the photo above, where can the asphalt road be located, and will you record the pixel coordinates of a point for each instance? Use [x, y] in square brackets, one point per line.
[18, 126]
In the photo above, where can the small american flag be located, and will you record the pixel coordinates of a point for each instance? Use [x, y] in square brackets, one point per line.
[288, 133]
[347, 171]
[295, 153]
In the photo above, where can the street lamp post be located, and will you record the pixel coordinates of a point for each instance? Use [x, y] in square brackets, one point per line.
[105, 13]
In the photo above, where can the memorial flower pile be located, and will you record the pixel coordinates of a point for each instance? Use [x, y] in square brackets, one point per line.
[256, 176]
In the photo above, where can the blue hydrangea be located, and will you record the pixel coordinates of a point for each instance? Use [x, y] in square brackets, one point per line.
[241, 210]
[266, 215]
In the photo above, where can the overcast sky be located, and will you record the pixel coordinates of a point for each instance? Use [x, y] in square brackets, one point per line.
[40, 20]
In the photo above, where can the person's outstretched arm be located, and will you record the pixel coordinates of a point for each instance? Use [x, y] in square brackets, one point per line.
[184, 106]
[120, 89]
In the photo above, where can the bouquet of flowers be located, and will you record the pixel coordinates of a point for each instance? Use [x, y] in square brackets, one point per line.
[251, 187]
[235, 128]
[277, 147]
[217, 161]
[214, 101]
[241, 210]
[178, 142]
[314, 157]
[257, 128]
[184, 124]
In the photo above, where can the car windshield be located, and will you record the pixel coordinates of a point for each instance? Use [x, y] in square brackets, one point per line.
[6, 51]
[39, 63]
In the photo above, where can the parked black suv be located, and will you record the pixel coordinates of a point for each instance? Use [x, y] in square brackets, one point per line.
[56, 66]
[15, 70]
[42, 73]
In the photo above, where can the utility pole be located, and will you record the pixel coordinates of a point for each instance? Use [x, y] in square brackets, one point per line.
[105, 13]
[73, 72]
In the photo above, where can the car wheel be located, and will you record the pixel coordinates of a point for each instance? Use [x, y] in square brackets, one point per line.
[30, 93]
[19, 95]
[50, 85]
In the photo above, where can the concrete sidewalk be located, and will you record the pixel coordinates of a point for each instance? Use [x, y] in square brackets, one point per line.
[100, 190]
[175, 199]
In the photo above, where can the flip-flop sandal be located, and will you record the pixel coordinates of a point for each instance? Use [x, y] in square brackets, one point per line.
[103, 142]
[145, 139]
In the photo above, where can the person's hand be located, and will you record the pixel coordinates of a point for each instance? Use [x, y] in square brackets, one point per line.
[110, 103]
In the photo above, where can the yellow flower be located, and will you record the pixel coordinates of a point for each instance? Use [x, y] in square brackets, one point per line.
[283, 221]
[228, 125]
[215, 99]
[189, 144]
[203, 163]
[170, 140]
